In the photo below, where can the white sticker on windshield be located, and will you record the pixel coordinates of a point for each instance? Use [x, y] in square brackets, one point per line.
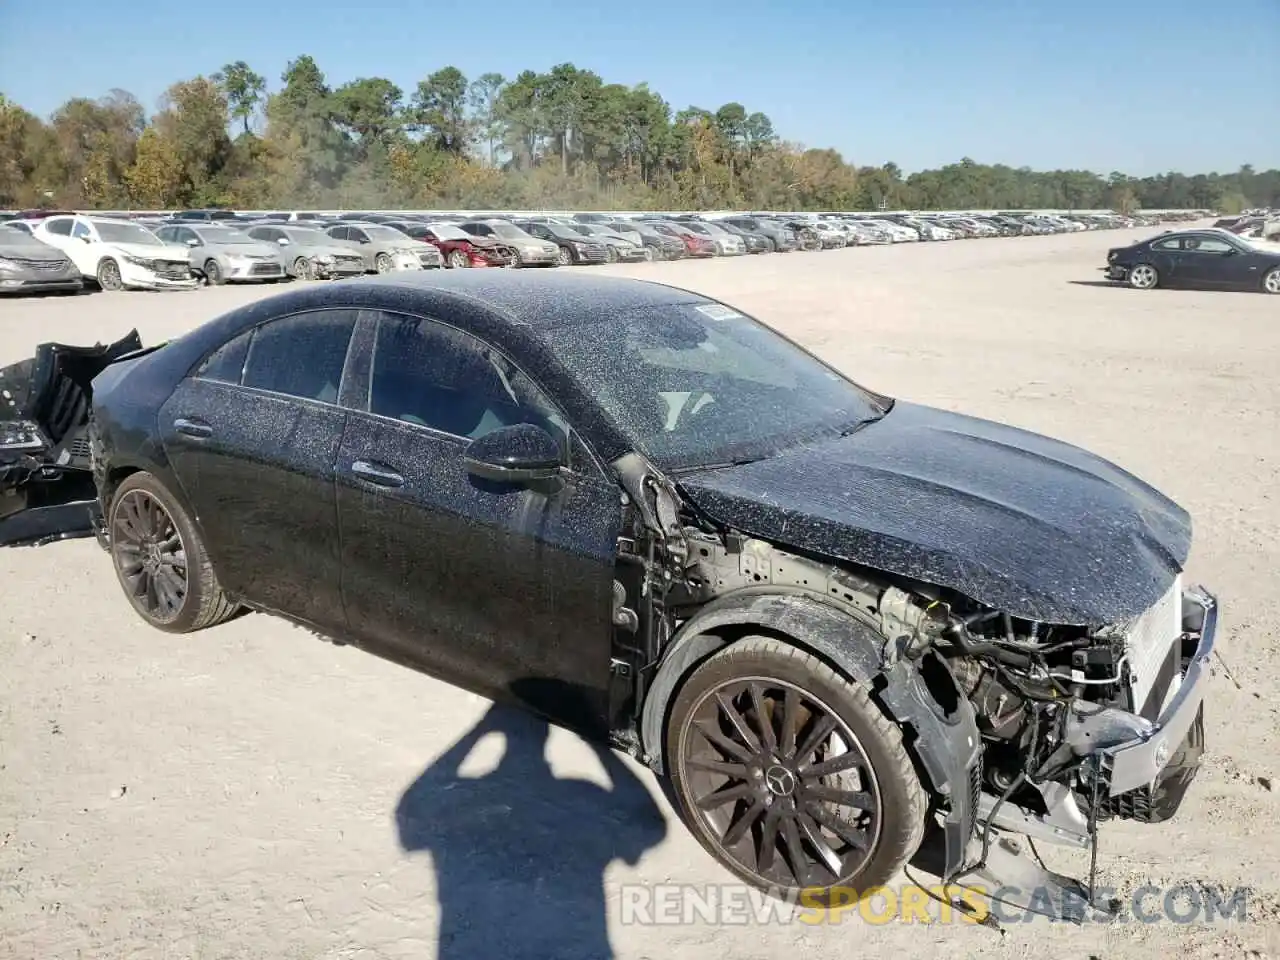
[718, 311]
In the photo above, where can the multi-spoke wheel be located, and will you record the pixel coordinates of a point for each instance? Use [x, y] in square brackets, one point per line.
[788, 773]
[1271, 282]
[160, 560]
[1144, 277]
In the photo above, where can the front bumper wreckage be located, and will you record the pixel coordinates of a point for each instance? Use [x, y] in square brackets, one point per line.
[1142, 770]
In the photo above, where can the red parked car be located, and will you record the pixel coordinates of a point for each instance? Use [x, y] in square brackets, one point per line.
[695, 244]
[459, 248]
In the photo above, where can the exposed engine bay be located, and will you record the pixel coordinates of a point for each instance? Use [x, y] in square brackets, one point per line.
[1077, 723]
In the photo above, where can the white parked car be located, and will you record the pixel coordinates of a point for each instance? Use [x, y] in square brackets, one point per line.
[118, 254]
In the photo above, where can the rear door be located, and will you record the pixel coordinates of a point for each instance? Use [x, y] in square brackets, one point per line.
[252, 437]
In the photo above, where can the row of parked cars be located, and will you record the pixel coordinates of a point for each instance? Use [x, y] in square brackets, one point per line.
[62, 250]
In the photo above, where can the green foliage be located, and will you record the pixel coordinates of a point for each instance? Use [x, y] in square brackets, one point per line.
[563, 138]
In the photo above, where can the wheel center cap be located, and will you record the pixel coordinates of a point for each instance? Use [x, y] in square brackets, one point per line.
[780, 781]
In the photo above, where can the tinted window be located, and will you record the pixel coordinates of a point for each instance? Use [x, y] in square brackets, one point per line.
[338, 233]
[62, 227]
[1207, 245]
[1174, 244]
[301, 356]
[435, 376]
[80, 230]
[227, 362]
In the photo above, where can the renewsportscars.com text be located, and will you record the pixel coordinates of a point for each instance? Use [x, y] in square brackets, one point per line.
[721, 904]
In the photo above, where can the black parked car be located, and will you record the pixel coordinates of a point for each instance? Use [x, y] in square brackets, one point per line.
[833, 619]
[1212, 259]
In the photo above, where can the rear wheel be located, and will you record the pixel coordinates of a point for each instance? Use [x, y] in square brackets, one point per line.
[160, 559]
[382, 263]
[1271, 282]
[458, 260]
[789, 775]
[1144, 277]
[109, 275]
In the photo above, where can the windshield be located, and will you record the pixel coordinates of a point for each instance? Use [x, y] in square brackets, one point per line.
[560, 230]
[447, 231]
[377, 232]
[18, 237]
[701, 384]
[223, 235]
[508, 231]
[112, 232]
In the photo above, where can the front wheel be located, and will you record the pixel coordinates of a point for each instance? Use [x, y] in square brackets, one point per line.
[302, 269]
[458, 260]
[789, 774]
[160, 559]
[213, 273]
[1144, 277]
[612, 254]
[565, 256]
[1271, 282]
[109, 275]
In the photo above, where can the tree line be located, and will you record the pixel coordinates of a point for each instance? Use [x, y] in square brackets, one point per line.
[560, 139]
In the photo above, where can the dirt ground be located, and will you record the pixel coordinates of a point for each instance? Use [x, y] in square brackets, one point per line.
[253, 792]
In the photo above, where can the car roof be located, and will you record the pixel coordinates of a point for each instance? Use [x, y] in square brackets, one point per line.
[539, 299]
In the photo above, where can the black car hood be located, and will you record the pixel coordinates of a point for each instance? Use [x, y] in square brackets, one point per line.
[1028, 525]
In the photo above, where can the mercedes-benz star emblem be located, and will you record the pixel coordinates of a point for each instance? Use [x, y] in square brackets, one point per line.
[780, 781]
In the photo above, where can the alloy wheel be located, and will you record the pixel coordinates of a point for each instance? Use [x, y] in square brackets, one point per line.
[780, 783]
[458, 260]
[1143, 276]
[150, 555]
[565, 257]
[109, 275]
[1271, 283]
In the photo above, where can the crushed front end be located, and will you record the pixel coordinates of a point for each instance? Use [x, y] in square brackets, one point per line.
[47, 490]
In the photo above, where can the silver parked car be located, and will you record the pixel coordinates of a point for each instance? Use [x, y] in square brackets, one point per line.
[384, 249]
[310, 254]
[530, 251]
[221, 253]
[29, 266]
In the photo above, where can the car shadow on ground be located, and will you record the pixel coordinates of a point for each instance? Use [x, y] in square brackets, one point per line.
[519, 853]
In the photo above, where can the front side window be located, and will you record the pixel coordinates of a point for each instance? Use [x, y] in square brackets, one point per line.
[434, 376]
[301, 356]
[81, 230]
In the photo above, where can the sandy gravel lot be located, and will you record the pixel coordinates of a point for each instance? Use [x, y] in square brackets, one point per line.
[262, 769]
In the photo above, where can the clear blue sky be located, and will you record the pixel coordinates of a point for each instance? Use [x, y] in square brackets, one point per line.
[1134, 86]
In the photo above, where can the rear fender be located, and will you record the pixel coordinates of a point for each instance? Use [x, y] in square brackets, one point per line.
[937, 720]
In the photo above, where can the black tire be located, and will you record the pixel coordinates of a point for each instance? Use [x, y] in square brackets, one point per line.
[130, 521]
[566, 256]
[612, 254]
[213, 273]
[890, 821]
[108, 275]
[302, 269]
[383, 263]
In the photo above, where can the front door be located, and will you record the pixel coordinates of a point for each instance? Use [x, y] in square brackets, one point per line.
[252, 438]
[500, 588]
[1211, 262]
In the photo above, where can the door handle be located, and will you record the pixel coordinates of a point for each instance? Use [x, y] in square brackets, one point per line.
[193, 428]
[377, 473]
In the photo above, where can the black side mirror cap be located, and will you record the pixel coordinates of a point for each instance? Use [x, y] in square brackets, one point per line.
[520, 453]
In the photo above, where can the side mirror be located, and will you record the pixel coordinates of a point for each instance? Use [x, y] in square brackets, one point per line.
[85, 238]
[364, 240]
[283, 241]
[520, 453]
[1229, 252]
[193, 242]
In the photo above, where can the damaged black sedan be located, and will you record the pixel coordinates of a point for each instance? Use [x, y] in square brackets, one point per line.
[840, 624]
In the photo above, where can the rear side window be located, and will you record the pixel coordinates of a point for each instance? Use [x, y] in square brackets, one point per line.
[301, 356]
[227, 362]
[61, 227]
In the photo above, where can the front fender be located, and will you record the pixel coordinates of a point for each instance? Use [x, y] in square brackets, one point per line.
[937, 720]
